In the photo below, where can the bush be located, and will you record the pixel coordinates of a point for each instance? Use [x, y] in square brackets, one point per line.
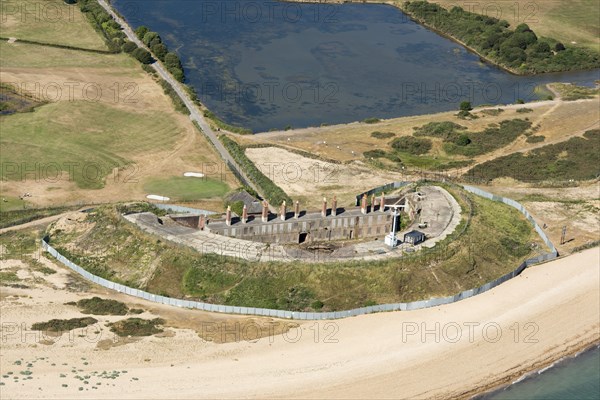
[444, 130]
[411, 145]
[142, 55]
[536, 139]
[129, 47]
[466, 106]
[462, 140]
[382, 135]
[98, 306]
[378, 153]
[371, 120]
[141, 31]
[137, 327]
[62, 325]
[159, 50]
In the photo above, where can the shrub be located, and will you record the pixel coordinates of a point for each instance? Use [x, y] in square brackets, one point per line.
[536, 139]
[466, 106]
[98, 306]
[382, 135]
[371, 120]
[160, 51]
[378, 153]
[444, 130]
[61, 325]
[129, 47]
[462, 140]
[137, 327]
[411, 145]
[142, 55]
[524, 110]
[141, 31]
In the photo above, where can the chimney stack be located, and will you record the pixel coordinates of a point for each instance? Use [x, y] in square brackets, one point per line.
[202, 222]
[334, 206]
[373, 202]
[265, 211]
[245, 214]
[228, 216]
[382, 202]
[363, 205]
[297, 210]
[324, 209]
[283, 211]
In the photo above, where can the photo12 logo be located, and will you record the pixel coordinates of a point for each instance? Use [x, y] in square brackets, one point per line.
[36, 11]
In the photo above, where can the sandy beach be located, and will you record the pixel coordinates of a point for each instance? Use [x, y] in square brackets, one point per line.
[453, 351]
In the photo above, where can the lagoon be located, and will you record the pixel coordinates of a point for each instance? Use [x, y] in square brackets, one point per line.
[269, 65]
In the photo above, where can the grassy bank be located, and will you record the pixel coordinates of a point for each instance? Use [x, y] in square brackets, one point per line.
[515, 48]
[114, 248]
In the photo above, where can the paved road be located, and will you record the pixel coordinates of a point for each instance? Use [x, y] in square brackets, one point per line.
[195, 115]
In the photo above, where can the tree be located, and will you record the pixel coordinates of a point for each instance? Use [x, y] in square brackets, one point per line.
[160, 51]
[141, 31]
[142, 55]
[542, 48]
[560, 47]
[149, 37]
[172, 60]
[129, 47]
[466, 106]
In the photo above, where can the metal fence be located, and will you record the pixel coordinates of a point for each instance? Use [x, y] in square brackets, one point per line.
[322, 315]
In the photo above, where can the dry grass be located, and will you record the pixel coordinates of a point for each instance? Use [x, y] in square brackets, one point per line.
[151, 140]
[567, 21]
[48, 21]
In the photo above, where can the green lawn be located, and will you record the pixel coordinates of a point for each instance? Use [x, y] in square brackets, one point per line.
[48, 21]
[186, 188]
[85, 138]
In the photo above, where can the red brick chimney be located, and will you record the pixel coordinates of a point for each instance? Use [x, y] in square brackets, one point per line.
[324, 209]
[228, 216]
[283, 211]
[265, 211]
[373, 202]
[334, 206]
[245, 214]
[202, 222]
[297, 210]
[363, 204]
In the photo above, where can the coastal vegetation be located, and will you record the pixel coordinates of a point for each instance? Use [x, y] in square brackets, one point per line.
[517, 49]
[466, 259]
[571, 159]
[63, 325]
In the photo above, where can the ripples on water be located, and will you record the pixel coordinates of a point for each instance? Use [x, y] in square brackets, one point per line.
[265, 64]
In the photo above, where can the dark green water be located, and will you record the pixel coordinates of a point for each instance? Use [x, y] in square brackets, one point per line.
[265, 64]
[574, 378]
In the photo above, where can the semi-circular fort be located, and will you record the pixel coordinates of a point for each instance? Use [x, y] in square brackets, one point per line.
[377, 226]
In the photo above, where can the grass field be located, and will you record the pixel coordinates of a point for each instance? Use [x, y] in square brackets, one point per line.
[111, 247]
[103, 112]
[48, 21]
[186, 188]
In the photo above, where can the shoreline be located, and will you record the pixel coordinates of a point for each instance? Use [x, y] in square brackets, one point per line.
[527, 375]
[524, 375]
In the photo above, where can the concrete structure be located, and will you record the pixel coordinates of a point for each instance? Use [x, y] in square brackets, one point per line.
[310, 227]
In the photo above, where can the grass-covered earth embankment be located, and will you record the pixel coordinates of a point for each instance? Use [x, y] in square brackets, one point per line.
[495, 240]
